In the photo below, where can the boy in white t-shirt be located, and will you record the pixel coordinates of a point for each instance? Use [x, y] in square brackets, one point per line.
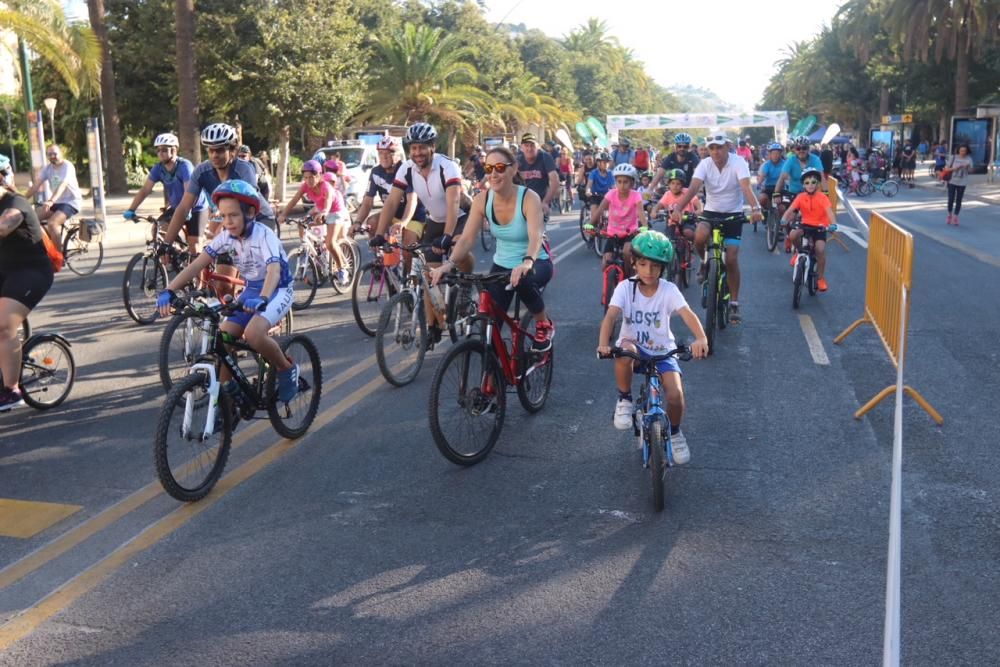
[647, 302]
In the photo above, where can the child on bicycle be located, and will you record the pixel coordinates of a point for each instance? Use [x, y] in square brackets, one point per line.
[677, 188]
[328, 208]
[263, 264]
[817, 216]
[647, 301]
[625, 215]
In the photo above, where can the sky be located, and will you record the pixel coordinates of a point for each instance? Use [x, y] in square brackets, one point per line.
[751, 36]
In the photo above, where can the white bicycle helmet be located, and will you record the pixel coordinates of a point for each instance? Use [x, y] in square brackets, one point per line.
[625, 170]
[219, 134]
[166, 139]
[801, 142]
[387, 144]
[421, 133]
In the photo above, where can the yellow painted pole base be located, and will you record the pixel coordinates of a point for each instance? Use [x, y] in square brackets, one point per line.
[847, 332]
[911, 392]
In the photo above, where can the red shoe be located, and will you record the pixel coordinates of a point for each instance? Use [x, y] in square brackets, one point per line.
[821, 285]
[954, 220]
[795, 256]
[544, 332]
[949, 218]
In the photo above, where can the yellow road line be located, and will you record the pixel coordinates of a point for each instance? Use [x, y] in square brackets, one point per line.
[84, 531]
[28, 620]
[27, 518]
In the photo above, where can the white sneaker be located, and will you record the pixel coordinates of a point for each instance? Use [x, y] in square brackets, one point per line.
[623, 415]
[680, 454]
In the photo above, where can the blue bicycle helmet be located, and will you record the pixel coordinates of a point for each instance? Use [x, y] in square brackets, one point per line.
[683, 138]
[775, 146]
[242, 192]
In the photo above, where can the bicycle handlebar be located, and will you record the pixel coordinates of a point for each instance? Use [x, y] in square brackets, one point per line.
[682, 352]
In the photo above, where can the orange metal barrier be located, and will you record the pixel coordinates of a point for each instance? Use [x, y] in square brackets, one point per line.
[887, 308]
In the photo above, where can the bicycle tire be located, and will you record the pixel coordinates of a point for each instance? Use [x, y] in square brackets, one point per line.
[723, 303]
[175, 357]
[455, 315]
[176, 398]
[39, 375]
[711, 304]
[394, 328]
[486, 237]
[890, 188]
[352, 252]
[772, 230]
[864, 188]
[369, 294]
[657, 462]
[301, 350]
[24, 332]
[305, 278]
[147, 285]
[685, 271]
[534, 385]
[811, 279]
[588, 239]
[600, 242]
[797, 283]
[82, 257]
[610, 283]
[474, 364]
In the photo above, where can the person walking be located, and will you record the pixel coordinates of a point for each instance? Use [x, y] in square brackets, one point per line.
[960, 165]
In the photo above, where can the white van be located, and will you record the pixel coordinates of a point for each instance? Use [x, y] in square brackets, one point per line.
[360, 159]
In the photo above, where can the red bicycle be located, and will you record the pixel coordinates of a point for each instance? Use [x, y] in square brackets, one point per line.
[614, 272]
[468, 398]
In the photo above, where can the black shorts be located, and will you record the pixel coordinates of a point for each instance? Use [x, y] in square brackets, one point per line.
[814, 233]
[732, 231]
[435, 230]
[616, 242]
[196, 223]
[26, 285]
[595, 200]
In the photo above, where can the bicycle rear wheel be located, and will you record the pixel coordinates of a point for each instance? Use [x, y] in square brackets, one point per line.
[305, 278]
[401, 339]
[189, 460]
[890, 188]
[370, 292]
[184, 339]
[47, 372]
[468, 401]
[82, 257]
[588, 239]
[293, 419]
[712, 304]
[24, 333]
[144, 279]
[657, 462]
[610, 283]
[535, 370]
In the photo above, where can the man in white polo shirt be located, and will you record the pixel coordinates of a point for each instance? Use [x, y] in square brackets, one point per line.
[726, 177]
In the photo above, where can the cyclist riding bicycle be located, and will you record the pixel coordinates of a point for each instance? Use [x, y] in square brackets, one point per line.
[625, 215]
[262, 262]
[769, 173]
[25, 277]
[65, 199]
[676, 183]
[791, 171]
[600, 181]
[817, 215]
[646, 303]
[682, 158]
[518, 242]
[174, 172]
[726, 177]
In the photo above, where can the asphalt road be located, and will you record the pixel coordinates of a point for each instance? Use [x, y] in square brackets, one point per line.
[361, 544]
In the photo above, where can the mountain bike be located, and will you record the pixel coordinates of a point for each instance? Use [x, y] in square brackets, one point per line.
[374, 284]
[776, 230]
[310, 263]
[804, 269]
[679, 269]
[715, 289]
[614, 272]
[83, 245]
[401, 336]
[187, 335]
[146, 275]
[196, 423]
[48, 369]
[566, 196]
[649, 419]
[468, 396]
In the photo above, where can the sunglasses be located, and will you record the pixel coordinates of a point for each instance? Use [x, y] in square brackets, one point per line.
[801, 148]
[52, 154]
[684, 146]
[499, 167]
[810, 181]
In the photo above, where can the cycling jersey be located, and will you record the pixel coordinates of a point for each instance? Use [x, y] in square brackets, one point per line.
[813, 209]
[252, 255]
[174, 182]
[601, 184]
[431, 190]
[771, 171]
[793, 167]
[687, 166]
[380, 182]
[204, 180]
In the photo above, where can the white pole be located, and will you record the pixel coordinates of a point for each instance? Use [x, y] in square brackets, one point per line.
[890, 643]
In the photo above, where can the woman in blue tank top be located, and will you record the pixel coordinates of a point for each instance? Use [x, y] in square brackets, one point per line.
[514, 214]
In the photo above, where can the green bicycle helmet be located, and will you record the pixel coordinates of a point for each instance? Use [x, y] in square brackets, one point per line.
[653, 245]
[677, 175]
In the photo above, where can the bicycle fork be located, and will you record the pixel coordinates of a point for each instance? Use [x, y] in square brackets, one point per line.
[213, 404]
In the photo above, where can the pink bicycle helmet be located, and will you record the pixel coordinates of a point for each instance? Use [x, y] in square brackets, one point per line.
[332, 165]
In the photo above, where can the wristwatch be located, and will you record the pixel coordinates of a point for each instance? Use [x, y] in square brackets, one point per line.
[528, 258]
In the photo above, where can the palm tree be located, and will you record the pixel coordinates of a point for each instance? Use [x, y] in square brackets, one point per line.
[71, 48]
[525, 100]
[187, 81]
[117, 182]
[424, 74]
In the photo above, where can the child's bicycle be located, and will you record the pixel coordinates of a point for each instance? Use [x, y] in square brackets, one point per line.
[468, 397]
[614, 271]
[679, 270]
[649, 420]
[715, 289]
[196, 423]
[47, 368]
[804, 267]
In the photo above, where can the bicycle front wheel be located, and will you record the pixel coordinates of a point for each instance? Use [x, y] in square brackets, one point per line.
[82, 257]
[293, 419]
[797, 280]
[305, 278]
[657, 463]
[184, 339]
[486, 237]
[890, 188]
[712, 304]
[584, 219]
[772, 230]
[47, 372]
[468, 401]
[144, 279]
[401, 339]
[534, 370]
[189, 453]
[369, 294]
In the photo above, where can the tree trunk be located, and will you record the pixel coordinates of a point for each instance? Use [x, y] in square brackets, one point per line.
[962, 77]
[117, 182]
[883, 101]
[281, 177]
[187, 81]
[452, 140]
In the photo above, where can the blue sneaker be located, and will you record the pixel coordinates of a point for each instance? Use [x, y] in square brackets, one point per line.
[288, 384]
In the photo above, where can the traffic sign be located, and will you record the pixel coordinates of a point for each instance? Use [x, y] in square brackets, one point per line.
[897, 119]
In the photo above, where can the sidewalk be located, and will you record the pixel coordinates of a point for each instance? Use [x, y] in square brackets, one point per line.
[978, 189]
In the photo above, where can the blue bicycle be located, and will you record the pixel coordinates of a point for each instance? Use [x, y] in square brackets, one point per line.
[649, 420]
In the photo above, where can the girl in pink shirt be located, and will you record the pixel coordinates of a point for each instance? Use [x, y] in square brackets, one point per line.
[625, 215]
[676, 182]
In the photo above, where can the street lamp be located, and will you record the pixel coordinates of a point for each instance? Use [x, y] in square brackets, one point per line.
[50, 104]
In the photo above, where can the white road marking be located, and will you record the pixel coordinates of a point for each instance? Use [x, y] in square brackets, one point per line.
[812, 338]
[853, 235]
[563, 255]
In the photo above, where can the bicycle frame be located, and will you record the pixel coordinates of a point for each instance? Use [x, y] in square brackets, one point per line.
[494, 319]
[650, 407]
[615, 265]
